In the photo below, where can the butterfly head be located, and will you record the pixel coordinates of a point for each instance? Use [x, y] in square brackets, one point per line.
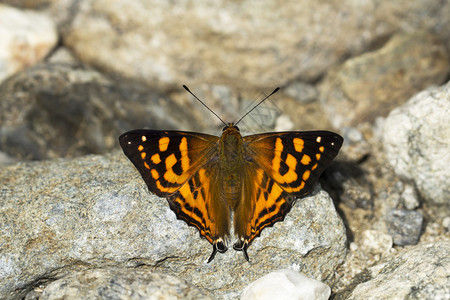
[231, 125]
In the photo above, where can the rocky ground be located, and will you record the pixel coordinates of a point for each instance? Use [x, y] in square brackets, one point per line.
[77, 221]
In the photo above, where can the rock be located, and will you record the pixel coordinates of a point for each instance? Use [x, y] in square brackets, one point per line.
[356, 146]
[299, 102]
[26, 38]
[373, 83]
[6, 159]
[420, 272]
[60, 216]
[410, 197]
[242, 44]
[286, 285]
[302, 92]
[405, 226]
[284, 123]
[375, 242]
[120, 283]
[60, 110]
[446, 224]
[416, 141]
[355, 190]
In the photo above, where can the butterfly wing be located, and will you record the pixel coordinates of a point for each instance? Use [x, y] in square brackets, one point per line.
[263, 204]
[179, 166]
[167, 159]
[280, 167]
[294, 160]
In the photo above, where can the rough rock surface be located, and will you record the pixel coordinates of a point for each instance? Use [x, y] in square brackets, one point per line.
[420, 272]
[416, 139]
[95, 211]
[120, 283]
[405, 226]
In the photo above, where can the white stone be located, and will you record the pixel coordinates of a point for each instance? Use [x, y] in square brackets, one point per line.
[26, 38]
[286, 284]
[410, 198]
[446, 223]
[375, 242]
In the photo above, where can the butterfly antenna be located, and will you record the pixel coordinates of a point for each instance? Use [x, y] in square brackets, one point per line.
[187, 89]
[274, 91]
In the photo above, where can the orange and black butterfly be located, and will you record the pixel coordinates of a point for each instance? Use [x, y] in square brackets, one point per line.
[205, 177]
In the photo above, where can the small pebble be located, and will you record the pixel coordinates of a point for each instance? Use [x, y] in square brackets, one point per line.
[405, 226]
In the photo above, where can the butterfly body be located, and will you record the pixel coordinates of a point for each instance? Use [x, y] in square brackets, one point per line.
[205, 177]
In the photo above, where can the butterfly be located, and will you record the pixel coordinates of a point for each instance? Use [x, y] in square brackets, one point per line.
[205, 177]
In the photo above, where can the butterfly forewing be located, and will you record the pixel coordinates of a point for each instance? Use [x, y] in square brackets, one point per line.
[263, 204]
[294, 160]
[167, 159]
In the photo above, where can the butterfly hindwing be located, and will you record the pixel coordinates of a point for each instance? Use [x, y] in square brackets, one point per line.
[266, 204]
[196, 202]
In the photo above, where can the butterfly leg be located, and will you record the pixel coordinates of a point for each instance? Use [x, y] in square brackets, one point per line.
[242, 245]
[217, 246]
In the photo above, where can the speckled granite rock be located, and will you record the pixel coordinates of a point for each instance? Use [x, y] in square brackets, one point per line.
[416, 140]
[61, 216]
[120, 283]
[420, 272]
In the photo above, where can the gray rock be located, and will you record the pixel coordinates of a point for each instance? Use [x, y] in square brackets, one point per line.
[405, 226]
[120, 283]
[416, 141]
[61, 110]
[356, 147]
[60, 216]
[356, 190]
[302, 92]
[420, 272]
[26, 38]
[372, 84]
[243, 44]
